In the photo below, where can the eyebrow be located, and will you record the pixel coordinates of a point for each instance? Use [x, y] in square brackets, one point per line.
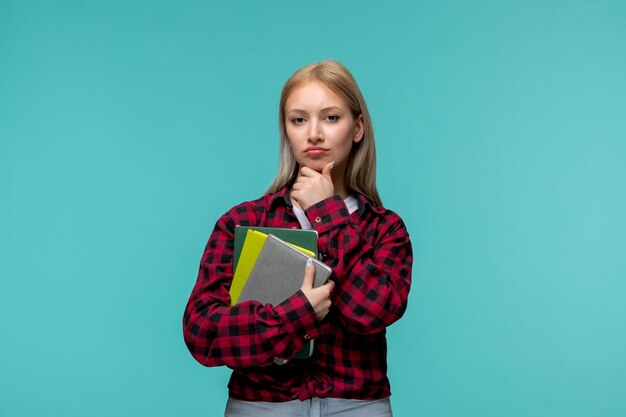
[325, 109]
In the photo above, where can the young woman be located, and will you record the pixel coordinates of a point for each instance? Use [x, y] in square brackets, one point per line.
[326, 181]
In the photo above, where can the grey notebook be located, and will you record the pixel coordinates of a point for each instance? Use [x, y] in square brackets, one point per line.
[278, 273]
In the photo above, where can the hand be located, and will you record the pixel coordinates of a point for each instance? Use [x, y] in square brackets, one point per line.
[319, 297]
[311, 187]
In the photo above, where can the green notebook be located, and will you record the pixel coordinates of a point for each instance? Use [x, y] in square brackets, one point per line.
[299, 237]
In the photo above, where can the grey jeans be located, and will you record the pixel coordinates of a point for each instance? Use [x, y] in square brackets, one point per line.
[315, 407]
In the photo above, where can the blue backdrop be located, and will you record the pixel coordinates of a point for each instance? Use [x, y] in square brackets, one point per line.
[501, 141]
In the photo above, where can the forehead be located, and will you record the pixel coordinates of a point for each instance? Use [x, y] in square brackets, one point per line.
[313, 95]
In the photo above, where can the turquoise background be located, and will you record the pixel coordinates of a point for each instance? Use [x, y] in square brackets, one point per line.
[501, 135]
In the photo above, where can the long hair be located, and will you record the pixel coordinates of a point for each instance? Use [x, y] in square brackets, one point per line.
[361, 164]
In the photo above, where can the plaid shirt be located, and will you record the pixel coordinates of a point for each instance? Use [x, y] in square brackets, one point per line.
[371, 257]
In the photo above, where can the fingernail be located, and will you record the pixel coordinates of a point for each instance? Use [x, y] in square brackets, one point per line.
[332, 165]
[309, 263]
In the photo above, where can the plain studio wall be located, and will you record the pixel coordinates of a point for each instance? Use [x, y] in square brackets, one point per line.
[128, 128]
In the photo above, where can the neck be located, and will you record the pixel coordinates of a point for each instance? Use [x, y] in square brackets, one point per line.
[341, 192]
[339, 181]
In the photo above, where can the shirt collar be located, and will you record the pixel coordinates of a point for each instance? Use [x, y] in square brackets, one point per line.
[364, 204]
[279, 197]
[282, 197]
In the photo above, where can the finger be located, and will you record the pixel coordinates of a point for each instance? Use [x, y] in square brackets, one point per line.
[300, 180]
[309, 274]
[327, 288]
[308, 172]
[301, 183]
[327, 169]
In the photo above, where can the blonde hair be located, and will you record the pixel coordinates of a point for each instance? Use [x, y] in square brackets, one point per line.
[361, 164]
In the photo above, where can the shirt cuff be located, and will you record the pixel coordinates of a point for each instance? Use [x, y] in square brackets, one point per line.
[328, 214]
[301, 319]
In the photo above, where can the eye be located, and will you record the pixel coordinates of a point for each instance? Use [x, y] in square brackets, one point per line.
[332, 117]
[297, 120]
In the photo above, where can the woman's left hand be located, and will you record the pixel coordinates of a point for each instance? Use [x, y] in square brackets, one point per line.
[311, 187]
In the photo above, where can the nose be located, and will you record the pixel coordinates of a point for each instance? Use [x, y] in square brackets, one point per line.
[315, 132]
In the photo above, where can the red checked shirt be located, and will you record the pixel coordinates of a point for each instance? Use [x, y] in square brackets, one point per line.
[370, 254]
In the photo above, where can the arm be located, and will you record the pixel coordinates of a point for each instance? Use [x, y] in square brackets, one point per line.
[247, 334]
[373, 275]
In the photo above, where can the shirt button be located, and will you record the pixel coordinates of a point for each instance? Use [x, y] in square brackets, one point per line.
[318, 219]
[307, 337]
[280, 361]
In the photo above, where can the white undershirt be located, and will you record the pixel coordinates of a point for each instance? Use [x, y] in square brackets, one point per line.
[351, 203]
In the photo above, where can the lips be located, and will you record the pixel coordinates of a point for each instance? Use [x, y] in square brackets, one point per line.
[315, 151]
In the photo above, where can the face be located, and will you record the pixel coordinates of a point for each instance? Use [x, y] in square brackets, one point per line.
[320, 127]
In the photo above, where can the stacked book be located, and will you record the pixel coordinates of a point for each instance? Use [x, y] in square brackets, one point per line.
[269, 266]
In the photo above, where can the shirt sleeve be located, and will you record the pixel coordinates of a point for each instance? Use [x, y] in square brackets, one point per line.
[371, 267]
[247, 334]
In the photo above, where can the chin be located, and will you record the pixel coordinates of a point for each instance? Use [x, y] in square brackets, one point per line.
[315, 165]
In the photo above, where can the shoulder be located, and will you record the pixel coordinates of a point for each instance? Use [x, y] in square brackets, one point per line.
[381, 214]
[252, 211]
[381, 223]
[392, 223]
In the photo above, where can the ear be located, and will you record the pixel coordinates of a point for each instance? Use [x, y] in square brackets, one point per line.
[359, 129]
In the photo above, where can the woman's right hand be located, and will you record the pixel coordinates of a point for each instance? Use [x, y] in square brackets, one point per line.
[318, 297]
